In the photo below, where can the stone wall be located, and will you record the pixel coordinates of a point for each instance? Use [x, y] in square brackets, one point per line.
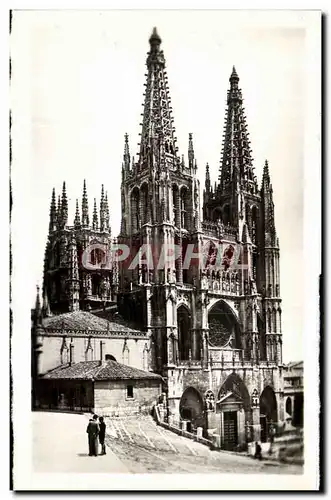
[111, 398]
[130, 352]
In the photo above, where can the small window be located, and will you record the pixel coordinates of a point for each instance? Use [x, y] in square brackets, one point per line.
[129, 391]
[109, 357]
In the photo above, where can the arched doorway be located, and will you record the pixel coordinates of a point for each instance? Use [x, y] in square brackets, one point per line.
[288, 406]
[233, 404]
[191, 408]
[184, 333]
[268, 411]
[223, 326]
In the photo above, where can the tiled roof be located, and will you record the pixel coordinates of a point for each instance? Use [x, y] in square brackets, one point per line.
[93, 370]
[85, 323]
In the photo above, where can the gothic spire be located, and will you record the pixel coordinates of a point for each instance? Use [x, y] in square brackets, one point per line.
[53, 212]
[64, 206]
[158, 132]
[126, 155]
[46, 309]
[37, 309]
[236, 160]
[207, 179]
[265, 176]
[77, 217]
[190, 151]
[85, 215]
[268, 207]
[107, 217]
[102, 210]
[95, 216]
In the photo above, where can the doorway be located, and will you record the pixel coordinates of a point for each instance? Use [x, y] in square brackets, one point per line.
[230, 430]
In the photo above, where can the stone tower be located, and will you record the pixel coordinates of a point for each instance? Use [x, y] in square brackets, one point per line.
[77, 274]
[160, 212]
[212, 313]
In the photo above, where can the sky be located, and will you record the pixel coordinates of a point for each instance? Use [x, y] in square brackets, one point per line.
[78, 79]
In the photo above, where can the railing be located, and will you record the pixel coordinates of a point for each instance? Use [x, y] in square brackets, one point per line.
[217, 229]
[224, 282]
[179, 431]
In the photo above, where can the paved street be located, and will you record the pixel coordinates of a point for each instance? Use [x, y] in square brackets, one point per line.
[135, 445]
[60, 445]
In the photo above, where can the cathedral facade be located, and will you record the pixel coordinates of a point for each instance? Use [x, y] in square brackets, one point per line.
[211, 314]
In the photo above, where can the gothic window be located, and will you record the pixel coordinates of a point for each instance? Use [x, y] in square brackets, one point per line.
[175, 195]
[65, 356]
[274, 317]
[145, 358]
[135, 216]
[97, 257]
[269, 322]
[96, 285]
[226, 214]
[184, 332]
[125, 354]
[89, 352]
[210, 252]
[144, 203]
[184, 207]
[288, 408]
[222, 326]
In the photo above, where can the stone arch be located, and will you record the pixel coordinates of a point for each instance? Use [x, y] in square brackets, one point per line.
[268, 411]
[135, 206]
[184, 323]
[191, 407]
[233, 383]
[223, 325]
[288, 405]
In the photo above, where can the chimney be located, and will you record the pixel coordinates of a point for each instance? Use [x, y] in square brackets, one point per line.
[101, 352]
[71, 354]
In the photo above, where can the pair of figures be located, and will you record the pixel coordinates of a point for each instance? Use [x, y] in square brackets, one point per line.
[96, 431]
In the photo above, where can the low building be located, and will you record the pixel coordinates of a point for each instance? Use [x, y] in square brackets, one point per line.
[103, 387]
[293, 391]
[77, 335]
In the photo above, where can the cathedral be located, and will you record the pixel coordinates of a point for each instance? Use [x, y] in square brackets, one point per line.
[212, 332]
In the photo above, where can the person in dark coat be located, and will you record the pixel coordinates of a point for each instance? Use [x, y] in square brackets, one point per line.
[258, 451]
[93, 431]
[102, 434]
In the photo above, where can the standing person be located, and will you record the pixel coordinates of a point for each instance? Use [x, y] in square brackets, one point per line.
[258, 451]
[102, 434]
[93, 431]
